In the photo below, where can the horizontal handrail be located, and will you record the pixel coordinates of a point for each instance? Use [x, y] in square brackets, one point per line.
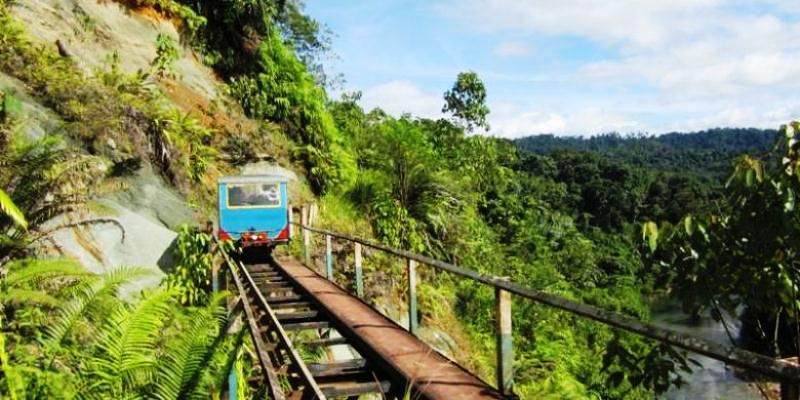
[780, 370]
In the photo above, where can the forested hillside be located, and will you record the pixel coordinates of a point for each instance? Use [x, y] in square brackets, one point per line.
[709, 153]
[203, 89]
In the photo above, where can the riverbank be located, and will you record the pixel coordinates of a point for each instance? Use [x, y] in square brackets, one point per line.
[713, 380]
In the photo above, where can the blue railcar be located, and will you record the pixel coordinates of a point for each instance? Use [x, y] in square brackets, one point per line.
[253, 209]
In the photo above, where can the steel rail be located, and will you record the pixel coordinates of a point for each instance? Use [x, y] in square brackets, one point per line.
[273, 386]
[311, 386]
[776, 369]
[311, 389]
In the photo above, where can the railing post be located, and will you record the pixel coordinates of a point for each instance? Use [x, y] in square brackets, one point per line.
[412, 295]
[328, 258]
[504, 349]
[306, 236]
[359, 272]
[215, 277]
[290, 219]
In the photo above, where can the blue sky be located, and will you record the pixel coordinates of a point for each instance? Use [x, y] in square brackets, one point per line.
[576, 66]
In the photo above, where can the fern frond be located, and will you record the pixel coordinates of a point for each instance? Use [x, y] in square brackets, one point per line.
[10, 209]
[74, 310]
[36, 271]
[27, 296]
[127, 356]
[187, 356]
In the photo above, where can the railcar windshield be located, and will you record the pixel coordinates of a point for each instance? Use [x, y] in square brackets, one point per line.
[254, 195]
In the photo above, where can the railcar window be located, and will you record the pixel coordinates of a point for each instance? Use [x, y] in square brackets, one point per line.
[254, 195]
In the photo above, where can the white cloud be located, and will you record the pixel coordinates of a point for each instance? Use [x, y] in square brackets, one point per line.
[635, 22]
[704, 63]
[511, 121]
[512, 49]
[702, 46]
[398, 97]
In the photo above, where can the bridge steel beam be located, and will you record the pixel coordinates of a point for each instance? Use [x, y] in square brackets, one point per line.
[786, 373]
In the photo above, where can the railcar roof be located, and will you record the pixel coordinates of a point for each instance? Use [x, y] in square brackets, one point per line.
[252, 179]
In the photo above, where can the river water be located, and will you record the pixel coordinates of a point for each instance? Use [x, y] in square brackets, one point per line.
[713, 380]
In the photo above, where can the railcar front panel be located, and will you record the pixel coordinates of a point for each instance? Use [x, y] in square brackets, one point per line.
[253, 210]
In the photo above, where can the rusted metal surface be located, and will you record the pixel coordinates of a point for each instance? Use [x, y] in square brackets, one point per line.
[769, 367]
[410, 363]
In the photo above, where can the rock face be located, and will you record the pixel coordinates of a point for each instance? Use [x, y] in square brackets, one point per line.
[38, 120]
[90, 31]
[149, 210]
[150, 197]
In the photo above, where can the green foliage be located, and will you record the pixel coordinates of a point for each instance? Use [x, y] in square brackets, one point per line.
[283, 91]
[112, 113]
[97, 344]
[10, 210]
[191, 277]
[745, 252]
[43, 180]
[467, 101]
[9, 106]
[171, 8]
[235, 31]
[166, 55]
[425, 186]
[239, 150]
[708, 154]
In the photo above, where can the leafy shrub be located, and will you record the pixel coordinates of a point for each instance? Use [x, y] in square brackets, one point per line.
[89, 342]
[192, 274]
[166, 55]
[239, 150]
[284, 91]
[171, 8]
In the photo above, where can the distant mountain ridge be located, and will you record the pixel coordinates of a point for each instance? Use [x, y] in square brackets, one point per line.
[709, 153]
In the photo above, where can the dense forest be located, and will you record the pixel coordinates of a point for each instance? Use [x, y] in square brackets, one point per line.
[610, 221]
[708, 153]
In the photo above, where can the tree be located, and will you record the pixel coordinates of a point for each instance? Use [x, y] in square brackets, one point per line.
[746, 252]
[467, 101]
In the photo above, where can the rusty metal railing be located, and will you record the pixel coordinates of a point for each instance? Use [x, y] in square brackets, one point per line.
[784, 372]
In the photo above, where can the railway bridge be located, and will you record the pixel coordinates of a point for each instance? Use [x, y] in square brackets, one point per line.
[289, 306]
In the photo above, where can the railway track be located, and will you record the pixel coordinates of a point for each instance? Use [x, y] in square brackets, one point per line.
[291, 310]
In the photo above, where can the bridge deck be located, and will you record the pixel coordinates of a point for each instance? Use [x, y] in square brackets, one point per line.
[411, 360]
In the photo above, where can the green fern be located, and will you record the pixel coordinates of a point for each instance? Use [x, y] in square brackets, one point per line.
[11, 210]
[72, 312]
[126, 357]
[184, 366]
[34, 272]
